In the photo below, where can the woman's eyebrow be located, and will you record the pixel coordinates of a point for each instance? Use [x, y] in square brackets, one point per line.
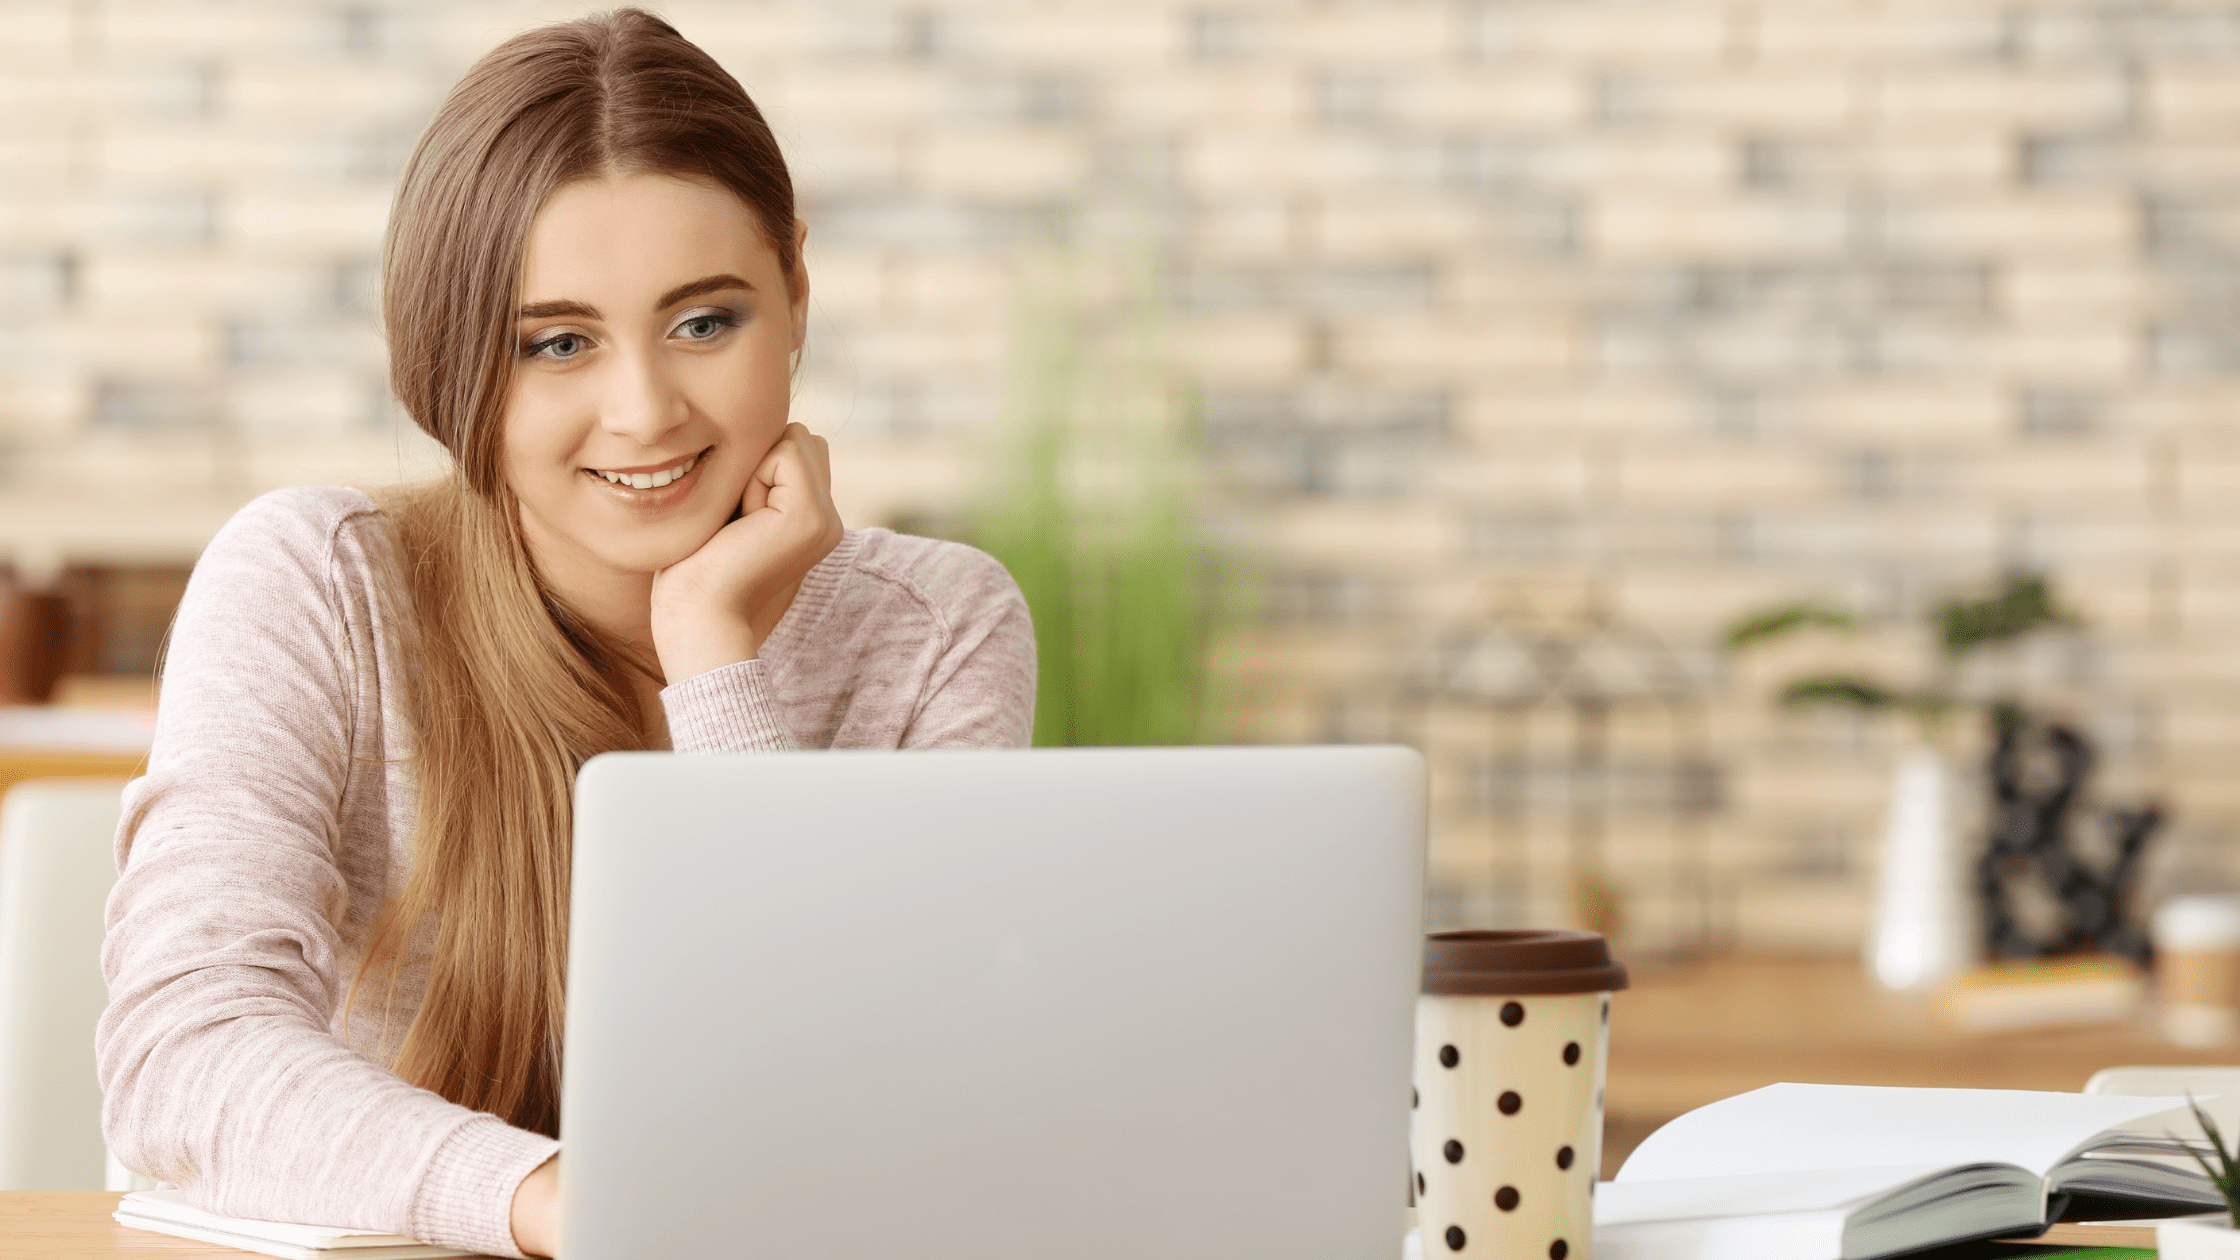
[693, 289]
[547, 310]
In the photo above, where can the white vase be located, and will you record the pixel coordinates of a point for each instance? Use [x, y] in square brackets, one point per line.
[2209, 1237]
[1924, 924]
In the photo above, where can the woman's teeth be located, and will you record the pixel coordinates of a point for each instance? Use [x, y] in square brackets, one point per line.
[651, 480]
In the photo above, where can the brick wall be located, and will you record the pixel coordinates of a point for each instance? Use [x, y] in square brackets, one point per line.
[1515, 327]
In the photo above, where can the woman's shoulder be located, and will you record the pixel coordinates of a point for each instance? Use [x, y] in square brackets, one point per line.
[298, 518]
[297, 536]
[949, 577]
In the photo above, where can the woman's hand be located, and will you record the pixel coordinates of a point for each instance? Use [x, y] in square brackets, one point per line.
[536, 1210]
[715, 606]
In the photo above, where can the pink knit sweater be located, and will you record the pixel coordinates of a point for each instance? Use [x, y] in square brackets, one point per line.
[273, 822]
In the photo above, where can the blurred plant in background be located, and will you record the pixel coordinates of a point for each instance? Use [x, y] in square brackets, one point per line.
[2022, 605]
[1093, 506]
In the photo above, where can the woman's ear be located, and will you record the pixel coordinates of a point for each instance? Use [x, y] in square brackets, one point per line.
[800, 285]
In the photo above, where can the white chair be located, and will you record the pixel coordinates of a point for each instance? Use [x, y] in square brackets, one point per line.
[2200, 1080]
[57, 862]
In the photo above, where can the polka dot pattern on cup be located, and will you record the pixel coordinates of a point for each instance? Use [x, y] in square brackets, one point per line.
[1512, 1013]
[1449, 1056]
[1455, 1238]
[1510, 1102]
[1506, 1198]
[1453, 1151]
[1558, 1249]
[1571, 1054]
[1563, 1160]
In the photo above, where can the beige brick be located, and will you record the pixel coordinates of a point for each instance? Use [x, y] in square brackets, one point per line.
[1946, 98]
[1917, 161]
[38, 34]
[1267, 98]
[1633, 165]
[1520, 97]
[1521, 479]
[2066, 477]
[1241, 227]
[1451, 348]
[1374, 534]
[1645, 228]
[1506, 412]
[1656, 34]
[1381, 226]
[350, 221]
[990, 163]
[1909, 35]
[887, 95]
[1760, 99]
[2069, 227]
[1966, 413]
[349, 96]
[1242, 350]
[2192, 102]
[927, 346]
[2053, 290]
[1407, 36]
[1716, 475]
[1090, 35]
[829, 160]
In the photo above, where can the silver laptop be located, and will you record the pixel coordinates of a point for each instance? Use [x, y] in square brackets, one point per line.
[1096, 1004]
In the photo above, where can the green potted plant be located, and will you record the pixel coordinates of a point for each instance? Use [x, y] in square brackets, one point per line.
[2215, 1236]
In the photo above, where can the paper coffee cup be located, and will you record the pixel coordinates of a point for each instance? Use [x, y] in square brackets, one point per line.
[2197, 969]
[1512, 1036]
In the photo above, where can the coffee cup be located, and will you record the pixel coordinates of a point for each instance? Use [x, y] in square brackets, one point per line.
[1512, 1039]
[2197, 969]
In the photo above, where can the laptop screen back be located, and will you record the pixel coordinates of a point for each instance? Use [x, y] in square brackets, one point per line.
[1105, 1004]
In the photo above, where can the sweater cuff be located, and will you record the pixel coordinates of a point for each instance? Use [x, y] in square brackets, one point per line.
[466, 1197]
[727, 709]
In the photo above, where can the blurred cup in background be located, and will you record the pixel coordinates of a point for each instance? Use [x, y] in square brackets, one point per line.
[2197, 968]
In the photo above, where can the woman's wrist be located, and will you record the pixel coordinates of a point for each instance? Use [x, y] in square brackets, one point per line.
[535, 1217]
[687, 652]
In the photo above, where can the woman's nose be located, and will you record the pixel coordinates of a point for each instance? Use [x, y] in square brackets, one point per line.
[641, 402]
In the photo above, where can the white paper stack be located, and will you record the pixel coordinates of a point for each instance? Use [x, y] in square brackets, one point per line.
[167, 1212]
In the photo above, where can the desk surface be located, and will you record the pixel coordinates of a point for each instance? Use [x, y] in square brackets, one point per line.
[1684, 1035]
[75, 1225]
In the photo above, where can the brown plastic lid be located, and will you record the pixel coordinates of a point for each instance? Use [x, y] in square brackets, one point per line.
[1542, 961]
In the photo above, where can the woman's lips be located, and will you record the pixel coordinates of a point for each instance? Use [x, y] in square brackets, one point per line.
[655, 497]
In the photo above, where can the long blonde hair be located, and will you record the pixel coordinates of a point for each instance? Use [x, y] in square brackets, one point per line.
[510, 692]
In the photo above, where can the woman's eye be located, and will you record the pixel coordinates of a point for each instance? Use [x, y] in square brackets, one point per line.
[564, 346]
[704, 327]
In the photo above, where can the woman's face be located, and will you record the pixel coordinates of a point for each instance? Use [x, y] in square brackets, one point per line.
[652, 370]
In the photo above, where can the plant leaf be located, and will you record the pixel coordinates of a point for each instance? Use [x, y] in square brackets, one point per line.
[2024, 604]
[1772, 623]
[2229, 1184]
[1851, 689]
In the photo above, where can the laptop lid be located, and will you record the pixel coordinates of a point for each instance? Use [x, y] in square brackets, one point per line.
[1095, 1004]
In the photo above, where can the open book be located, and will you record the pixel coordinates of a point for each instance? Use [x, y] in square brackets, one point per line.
[1849, 1172]
[166, 1212]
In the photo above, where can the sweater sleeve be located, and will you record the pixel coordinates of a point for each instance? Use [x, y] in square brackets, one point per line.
[727, 709]
[980, 691]
[218, 1063]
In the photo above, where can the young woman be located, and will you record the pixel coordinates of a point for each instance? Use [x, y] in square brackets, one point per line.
[336, 947]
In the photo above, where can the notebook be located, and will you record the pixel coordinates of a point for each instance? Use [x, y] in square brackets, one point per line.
[167, 1212]
[1850, 1172]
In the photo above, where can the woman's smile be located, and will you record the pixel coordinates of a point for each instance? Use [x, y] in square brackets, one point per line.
[650, 487]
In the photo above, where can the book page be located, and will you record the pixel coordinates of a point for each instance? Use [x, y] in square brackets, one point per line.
[1839, 1190]
[1792, 1127]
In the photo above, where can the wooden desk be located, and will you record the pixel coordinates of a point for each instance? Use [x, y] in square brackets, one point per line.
[1694, 1033]
[75, 1225]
